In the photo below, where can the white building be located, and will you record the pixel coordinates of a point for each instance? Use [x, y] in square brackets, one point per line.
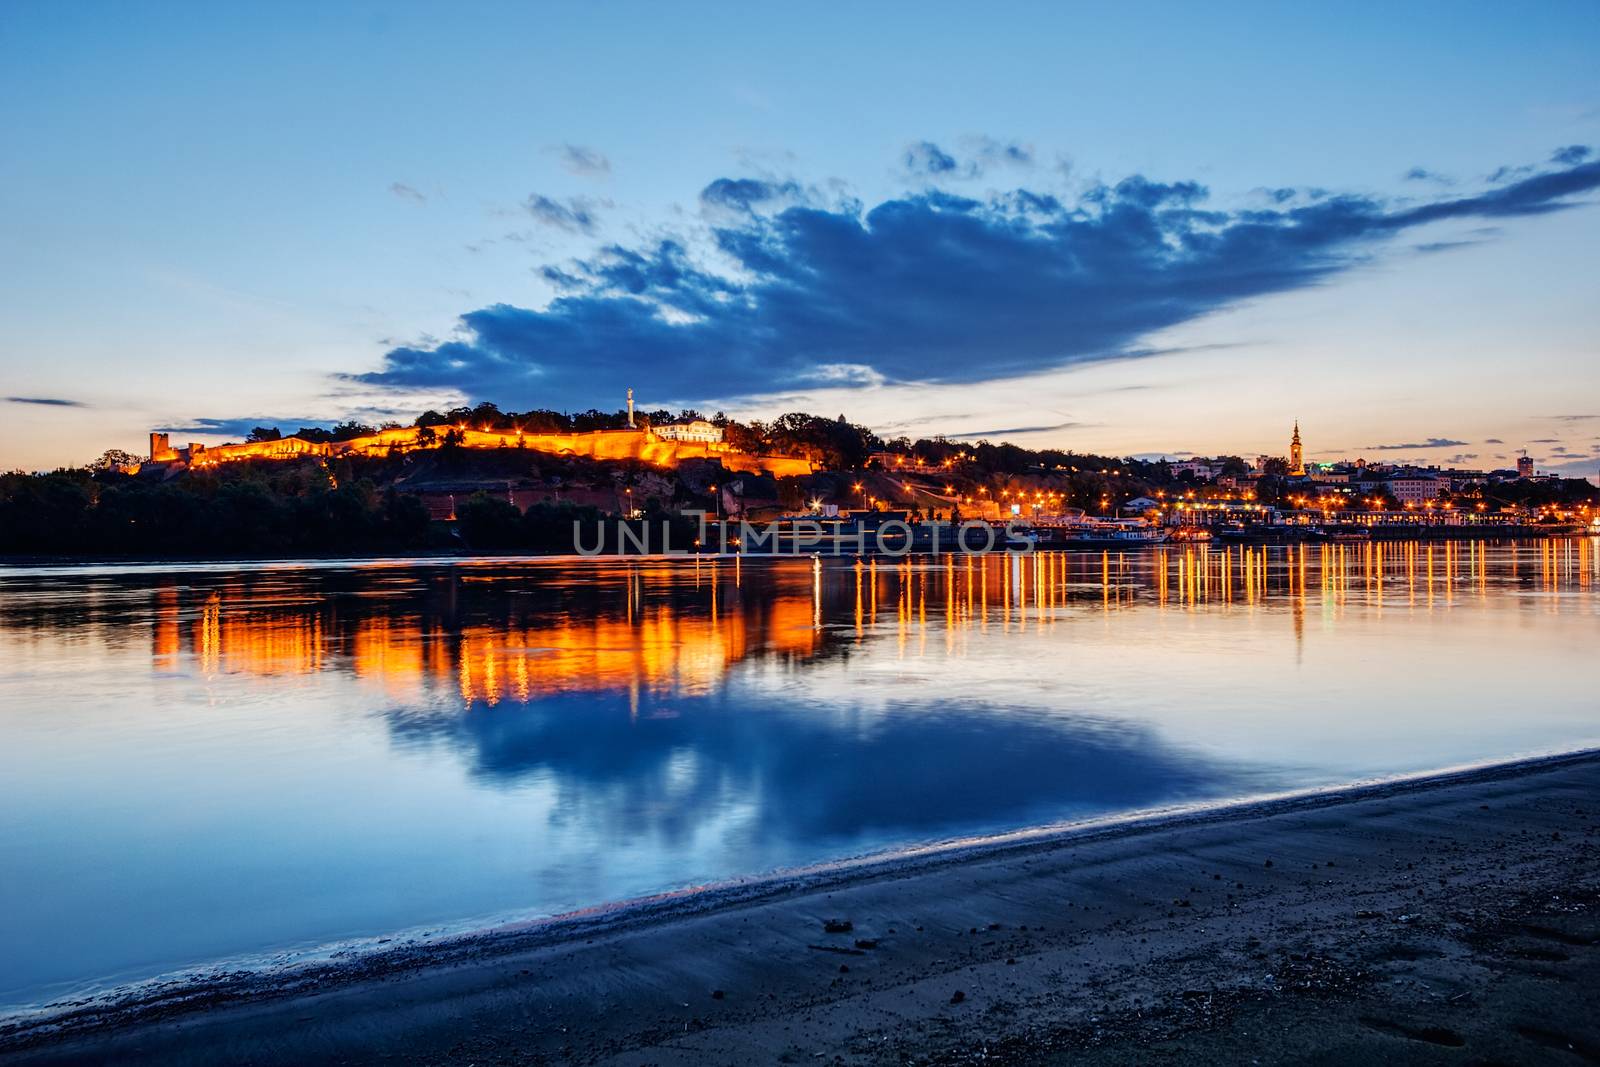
[1413, 488]
[698, 430]
[1202, 469]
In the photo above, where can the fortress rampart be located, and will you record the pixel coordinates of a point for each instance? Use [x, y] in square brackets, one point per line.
[638, 444]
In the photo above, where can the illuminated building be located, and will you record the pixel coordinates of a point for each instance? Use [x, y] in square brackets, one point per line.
[1297, 456]
[1524, 466]
[698, 430]
[1416, 486]
[1203, 469]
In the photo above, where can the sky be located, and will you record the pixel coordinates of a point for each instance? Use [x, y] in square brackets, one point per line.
[1127, 229]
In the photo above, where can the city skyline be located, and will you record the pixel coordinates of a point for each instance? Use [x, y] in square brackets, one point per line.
[374, 441]
[1058, 238]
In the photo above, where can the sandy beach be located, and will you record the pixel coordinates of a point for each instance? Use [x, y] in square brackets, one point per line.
[1448, 919]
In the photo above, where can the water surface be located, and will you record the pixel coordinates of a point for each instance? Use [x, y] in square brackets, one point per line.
[229, 762]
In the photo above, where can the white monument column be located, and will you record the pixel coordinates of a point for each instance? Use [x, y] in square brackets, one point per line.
[630, 410]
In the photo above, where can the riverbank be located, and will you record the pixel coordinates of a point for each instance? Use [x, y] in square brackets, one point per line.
[1423, 920]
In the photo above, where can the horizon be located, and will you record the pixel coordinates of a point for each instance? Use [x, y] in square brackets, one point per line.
[1397, 461]
[1072, 244]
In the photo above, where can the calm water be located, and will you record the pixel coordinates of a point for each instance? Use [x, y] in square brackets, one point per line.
[252, 761]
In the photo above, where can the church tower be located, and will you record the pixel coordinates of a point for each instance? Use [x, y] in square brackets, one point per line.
[1297, 456]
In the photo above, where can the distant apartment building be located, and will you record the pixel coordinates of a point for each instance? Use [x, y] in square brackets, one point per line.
[1414, 487]
[1461, 480]
[1524, 466]
[1199, 469]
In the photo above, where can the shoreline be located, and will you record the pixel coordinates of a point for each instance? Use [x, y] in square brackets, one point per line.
[71, 564]
[197, 1000]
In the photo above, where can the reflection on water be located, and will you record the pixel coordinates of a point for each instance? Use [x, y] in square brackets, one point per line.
[226, 761]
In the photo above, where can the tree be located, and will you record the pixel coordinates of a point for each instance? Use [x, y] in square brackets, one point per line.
[489, 522]
[1233, 466]
[264, 433]
[115, 459]
[344, 431]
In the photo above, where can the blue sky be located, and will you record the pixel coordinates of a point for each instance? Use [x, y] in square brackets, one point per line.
[1159, 228]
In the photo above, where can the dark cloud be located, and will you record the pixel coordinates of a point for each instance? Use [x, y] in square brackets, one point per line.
[46, 401]
[583, 161]
[239, 427]
[1493, 441]
[577, 215]
[927, 287]
[927, 159]
[1571, 155]
[1432, 442]
[406, 192]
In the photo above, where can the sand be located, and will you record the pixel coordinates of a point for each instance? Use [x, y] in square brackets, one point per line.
[1453, 919]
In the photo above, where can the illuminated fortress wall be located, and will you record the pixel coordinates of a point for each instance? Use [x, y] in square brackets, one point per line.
[642, 445]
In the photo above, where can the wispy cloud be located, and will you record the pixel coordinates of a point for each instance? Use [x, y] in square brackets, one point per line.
[46, 401]
[583, 161]
[926, 287]
[745, 194]
[926, 159]
[1422, 174]
[990, 152]
[576, 215]
[406, 192]
[1412, 446]
[1011, 431]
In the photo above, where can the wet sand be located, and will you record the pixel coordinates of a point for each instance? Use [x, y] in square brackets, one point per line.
[1448, 920]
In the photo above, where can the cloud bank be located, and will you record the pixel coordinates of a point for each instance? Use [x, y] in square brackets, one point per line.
[239, 427]
[928, 287]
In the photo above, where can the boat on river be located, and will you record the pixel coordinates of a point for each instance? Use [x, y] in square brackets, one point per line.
[1099, 533]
